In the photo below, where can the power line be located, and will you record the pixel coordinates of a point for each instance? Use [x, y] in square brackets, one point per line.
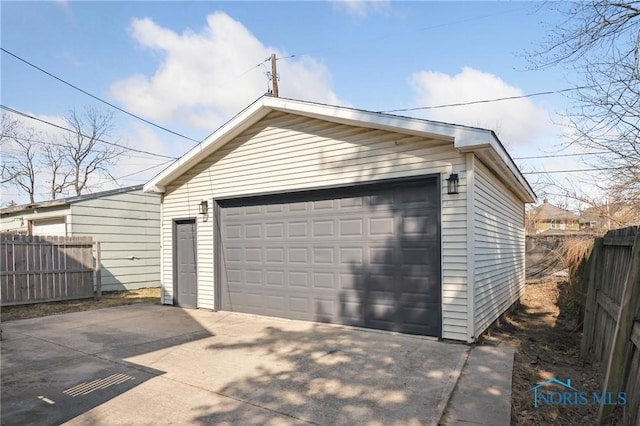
[599, 169]
[39, 142]
[142, 171]
[390, 35]
[560, 155]
[15, 111]
[97, 98]
[483, 101]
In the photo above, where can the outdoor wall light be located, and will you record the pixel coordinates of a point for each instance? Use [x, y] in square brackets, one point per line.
[204, 207]
[452, 183]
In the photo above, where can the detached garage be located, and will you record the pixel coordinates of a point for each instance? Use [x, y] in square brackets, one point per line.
[331, 214]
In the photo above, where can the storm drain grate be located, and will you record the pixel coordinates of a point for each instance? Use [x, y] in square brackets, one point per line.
[86, 388]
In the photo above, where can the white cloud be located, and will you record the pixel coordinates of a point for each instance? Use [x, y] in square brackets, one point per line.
[205, 77]
[516, 122]
[361, 8]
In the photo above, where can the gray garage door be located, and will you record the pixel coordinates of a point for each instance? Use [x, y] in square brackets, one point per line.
[367, 256]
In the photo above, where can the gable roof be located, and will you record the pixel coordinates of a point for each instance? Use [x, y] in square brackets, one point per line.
[67, 200]
[547, 211]
[484, 143]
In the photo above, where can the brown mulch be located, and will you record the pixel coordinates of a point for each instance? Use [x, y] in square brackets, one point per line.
[108, 300]
[546, 334]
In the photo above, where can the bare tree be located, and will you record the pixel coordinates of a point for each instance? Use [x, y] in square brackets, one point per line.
[600, 43]
[8, 128]
[85, 150]
[19, 165]
[54, 162]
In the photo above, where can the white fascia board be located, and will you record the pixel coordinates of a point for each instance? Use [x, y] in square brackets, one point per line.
[493, 144]
[376, 120]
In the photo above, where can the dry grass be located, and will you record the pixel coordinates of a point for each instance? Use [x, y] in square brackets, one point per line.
[575, 251]
[575, 254]
[110, 299]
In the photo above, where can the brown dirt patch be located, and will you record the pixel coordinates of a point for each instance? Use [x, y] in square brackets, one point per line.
[108, 300]
[547, 341]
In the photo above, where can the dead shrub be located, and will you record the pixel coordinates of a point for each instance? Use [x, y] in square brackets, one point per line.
[575, 251]
[575, 254]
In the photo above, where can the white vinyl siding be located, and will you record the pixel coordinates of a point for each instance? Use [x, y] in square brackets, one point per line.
[128, 228]
[286, 152]
[499, 244]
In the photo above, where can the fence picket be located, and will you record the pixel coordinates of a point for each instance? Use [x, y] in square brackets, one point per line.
[40, 269]
[612, 318]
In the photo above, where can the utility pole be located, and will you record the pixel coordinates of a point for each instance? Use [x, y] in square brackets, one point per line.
[274, 75]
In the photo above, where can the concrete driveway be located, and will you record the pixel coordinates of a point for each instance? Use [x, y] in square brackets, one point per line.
[145, 364]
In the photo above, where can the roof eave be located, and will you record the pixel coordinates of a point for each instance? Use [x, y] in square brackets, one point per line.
[465, 139]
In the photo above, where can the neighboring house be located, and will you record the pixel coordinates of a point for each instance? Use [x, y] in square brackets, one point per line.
[126, 221]
[550, 219]
[610, 216]
[315, 212]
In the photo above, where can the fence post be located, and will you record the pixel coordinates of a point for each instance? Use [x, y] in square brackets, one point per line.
[590, 304]
[98, 272]
[618, 363]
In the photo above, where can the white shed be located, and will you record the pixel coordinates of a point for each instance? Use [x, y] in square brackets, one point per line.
[126, 221]
[324, 213]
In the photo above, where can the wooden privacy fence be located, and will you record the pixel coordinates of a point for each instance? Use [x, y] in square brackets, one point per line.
[611, 333]
[36, 269]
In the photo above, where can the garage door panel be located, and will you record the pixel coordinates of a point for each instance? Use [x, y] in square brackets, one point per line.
[379, 282]
[323, 228]
[351, 311]
[351, 255]
[350, 280]
[410, 286]
[367, 256]
[323, 205]
[298, 255]
[381, 201]
[275, 303]
[233, 232]
[350, 203]
[274, 208]
[324, 280]
[233, 276]
[323, 256]
[297, 207]
[299, 279]
[253, 255]
[275, 278]
[274, 255]
[299, 304]
[298, 229]
[384, 226]
[233, 255]
[416, 255]
[252, 231]
[351, 227]
[325, 307]
[253, 277]
[382, 256]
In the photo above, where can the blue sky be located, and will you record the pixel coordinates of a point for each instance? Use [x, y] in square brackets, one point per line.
[191, 66]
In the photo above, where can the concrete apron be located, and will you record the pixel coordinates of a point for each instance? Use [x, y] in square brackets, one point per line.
[145, 364]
